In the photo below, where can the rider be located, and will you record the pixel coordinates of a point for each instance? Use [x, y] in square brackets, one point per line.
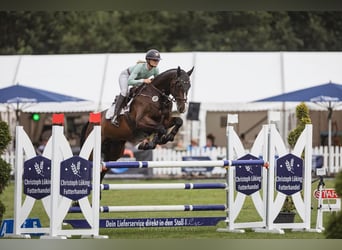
[142, 72]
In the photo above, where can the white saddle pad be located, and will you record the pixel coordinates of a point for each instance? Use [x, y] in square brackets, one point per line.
[110, 110]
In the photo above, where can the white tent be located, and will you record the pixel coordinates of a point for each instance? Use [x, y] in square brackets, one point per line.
[218, 76]
[219, 80]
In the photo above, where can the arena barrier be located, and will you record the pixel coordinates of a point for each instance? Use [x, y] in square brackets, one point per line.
[286, 175]
[283, 172]
[162, 222]
[57, 177]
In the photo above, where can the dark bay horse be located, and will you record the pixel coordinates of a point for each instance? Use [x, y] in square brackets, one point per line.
[149, 120]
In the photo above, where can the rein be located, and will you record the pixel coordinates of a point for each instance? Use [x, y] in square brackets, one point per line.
[162, 93]
[173, 98]
[169, 98]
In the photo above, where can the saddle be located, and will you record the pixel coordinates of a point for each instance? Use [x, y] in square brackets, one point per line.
[133, 91]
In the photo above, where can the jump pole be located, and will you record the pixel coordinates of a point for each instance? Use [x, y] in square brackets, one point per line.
[156, 208]
[159, 186]
[161, 164]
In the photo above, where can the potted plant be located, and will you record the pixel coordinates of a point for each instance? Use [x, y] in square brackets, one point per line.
[287, 212]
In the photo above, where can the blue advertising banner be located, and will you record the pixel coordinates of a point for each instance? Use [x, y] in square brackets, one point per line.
[76, 176]
[149, 222]
[37, 177]
[7, 226]
[248, 178]
[201, 170]
[289, 174]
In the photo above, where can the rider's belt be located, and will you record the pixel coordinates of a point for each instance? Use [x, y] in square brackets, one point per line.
[128, 71]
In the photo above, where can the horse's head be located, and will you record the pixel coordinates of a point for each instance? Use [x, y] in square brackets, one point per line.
[179, 88]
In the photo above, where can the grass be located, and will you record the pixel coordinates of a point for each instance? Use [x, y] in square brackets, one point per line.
[173, 197]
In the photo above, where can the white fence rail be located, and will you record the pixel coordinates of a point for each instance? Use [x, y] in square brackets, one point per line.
[163, 154]
[336, 154]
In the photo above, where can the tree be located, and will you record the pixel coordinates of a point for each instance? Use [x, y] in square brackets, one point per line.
[303, 118]
[5, 168]
[60, 32]
[333, 229]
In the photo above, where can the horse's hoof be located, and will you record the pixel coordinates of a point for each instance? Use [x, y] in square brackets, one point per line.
[170, 137]
[167, 138]
[151, 145]
[143, 146]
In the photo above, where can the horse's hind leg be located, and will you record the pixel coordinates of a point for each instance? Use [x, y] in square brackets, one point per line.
[111, 150]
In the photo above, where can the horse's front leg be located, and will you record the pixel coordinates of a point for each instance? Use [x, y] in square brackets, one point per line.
[151, 143]
[175, 123]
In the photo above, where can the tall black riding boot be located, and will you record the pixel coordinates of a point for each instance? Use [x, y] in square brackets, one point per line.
[118, 106]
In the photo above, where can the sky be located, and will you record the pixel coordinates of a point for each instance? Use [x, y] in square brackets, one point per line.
[219, 77]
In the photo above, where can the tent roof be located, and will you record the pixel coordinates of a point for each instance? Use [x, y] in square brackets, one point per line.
[29, 99]
[328, 91]
[17, 93]
[259, 106]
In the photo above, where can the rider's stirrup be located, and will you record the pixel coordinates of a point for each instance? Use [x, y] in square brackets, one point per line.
[115, 121]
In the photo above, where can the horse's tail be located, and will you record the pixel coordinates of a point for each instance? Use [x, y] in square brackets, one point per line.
[83, 134]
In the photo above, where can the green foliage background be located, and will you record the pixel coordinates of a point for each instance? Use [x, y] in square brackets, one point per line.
[57, 32]
[334, 228]
[5, 168]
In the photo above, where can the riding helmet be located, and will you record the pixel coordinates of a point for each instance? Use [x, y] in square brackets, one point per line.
[153, 54]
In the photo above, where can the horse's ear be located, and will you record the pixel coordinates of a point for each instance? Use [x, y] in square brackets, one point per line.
[178, 71]
[190, 71]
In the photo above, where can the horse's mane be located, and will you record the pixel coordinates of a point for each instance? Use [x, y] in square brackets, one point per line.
[158, 78]
[163, 74]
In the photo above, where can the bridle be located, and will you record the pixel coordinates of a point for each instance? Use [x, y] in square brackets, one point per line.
[180, 83]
